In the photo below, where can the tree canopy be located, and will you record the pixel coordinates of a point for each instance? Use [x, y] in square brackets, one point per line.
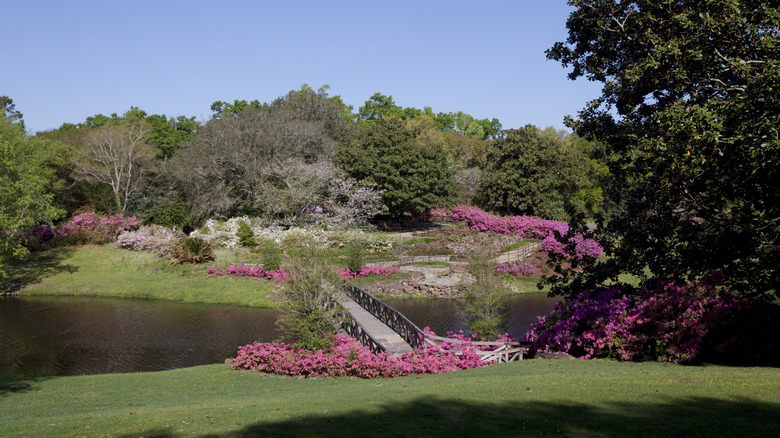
[26, 178]
[541, 173]
[690, 114]
[412, 174]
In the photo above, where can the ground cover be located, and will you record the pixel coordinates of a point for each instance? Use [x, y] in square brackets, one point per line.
[565, 397]
[106, 270]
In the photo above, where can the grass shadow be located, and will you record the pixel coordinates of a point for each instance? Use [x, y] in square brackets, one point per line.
[34, 267]
[430, 416]
[13, 386]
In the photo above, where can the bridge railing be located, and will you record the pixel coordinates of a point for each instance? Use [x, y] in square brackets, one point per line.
[389, 316]
[496, 351]
[355, 330]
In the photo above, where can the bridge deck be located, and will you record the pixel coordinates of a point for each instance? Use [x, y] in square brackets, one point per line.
[384, 335]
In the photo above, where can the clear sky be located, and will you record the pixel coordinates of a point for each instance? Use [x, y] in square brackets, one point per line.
[63, 61]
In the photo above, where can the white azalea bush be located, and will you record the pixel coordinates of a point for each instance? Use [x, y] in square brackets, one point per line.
[155, 239]
[224, 234]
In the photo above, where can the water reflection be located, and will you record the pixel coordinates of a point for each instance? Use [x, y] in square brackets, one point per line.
[445, 315]
[44, 336]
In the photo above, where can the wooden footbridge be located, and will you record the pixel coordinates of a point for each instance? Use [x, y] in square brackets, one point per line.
[382, 328]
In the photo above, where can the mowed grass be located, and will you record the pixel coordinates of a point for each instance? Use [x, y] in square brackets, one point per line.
[593, 398]
[108, 270]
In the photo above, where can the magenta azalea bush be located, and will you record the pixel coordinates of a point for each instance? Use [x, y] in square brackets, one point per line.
[669, 322]
[524, 269]
[529, 227]
[386, 271]
[282, 274]
[348, 358]
[92, 228]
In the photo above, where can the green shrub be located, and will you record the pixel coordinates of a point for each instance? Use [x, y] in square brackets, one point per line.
[354, 252]
[191, 250]
[270, 255]
[309, 318]
[171, 213]
[245, 235]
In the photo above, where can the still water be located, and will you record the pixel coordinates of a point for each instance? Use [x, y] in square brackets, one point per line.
[58, 336]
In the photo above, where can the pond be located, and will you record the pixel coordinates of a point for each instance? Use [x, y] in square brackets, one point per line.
[58, 336]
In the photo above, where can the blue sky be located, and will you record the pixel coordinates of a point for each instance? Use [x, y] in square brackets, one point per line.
[66, 60]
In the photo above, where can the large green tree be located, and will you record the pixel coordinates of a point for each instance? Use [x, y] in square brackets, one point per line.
[690, 112]
[414, 175]
[26, 177]
[543, 173]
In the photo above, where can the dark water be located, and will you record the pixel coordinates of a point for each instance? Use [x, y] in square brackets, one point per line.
[45, 336]
[444, 315]
[59, 336]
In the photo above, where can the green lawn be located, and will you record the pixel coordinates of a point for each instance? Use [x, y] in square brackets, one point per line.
[110, 271]
[558, 397]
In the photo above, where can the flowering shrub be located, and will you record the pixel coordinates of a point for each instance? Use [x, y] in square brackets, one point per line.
[386, 271]
[282, 274]
[347, 358]
[669, 322]
[525, 226]
[225, 234]
[518, 269]
[155, 239]
[92, 228]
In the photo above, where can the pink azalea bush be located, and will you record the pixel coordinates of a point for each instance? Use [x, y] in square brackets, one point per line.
[282, 274]
[669, 322]
[348, 358]
[529, 227]
[92, 228]
[386, 271]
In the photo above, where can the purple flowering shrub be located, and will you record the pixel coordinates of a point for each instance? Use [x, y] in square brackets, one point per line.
[386, 271]
[282, 274]
[525, 269]
[92, 228]
[155, 239]
[668, 322]
[347, 358]
[529, 227]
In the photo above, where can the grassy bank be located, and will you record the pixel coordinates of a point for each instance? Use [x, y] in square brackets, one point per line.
[563, 397]
[113, 272]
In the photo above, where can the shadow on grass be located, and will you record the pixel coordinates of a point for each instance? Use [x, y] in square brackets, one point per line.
[447, 417]
[11, 386]
[35, 267]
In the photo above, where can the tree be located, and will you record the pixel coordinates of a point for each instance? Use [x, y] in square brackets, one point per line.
[265, 160]
[485, 297]
[309, 316]
[540, 173]
[26, 176]
[116, 154]
[413, 176]
[10, 112]
[379, 106]
[167, 134]
[690, 114]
